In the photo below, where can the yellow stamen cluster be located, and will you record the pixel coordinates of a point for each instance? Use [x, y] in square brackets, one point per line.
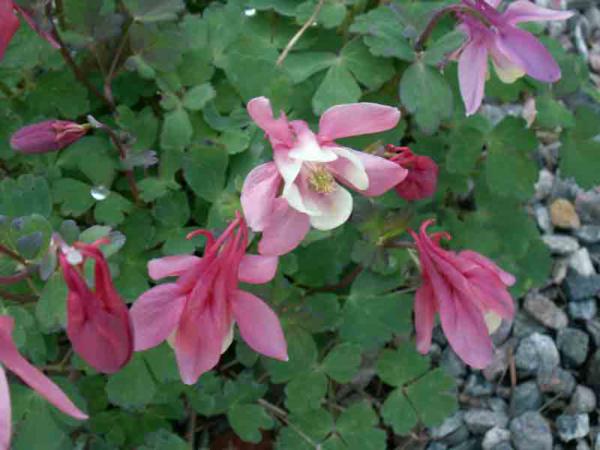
[321, 180]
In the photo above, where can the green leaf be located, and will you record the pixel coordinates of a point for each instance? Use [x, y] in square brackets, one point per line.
[248, 420]
[235, 141]
[306, 391]
[432, 397]
[438, 52]
[112, 210]
[204, 171]
[152, 188]
[383, 34]
[426, 94]
[143, 125]
[331, 14]
[73, 195]
[342, 362]
[51, 309]
[366, 68]
[163, 440]
[154, 10]
[400, 366]
[177, 130]
[59, 92]
[302, 352]
[132, 386]
[27, 195]
[399, 413]
[510, 168]
[94, 156]
[156, 47]
[337, 87]
[302, 65]
[172, 210]
[357, 425]
[196, 98]
[466, 145]
[552, 114]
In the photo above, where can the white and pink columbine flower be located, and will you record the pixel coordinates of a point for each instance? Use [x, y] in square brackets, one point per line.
[302, 187]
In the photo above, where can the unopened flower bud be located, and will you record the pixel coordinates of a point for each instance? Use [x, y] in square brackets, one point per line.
[47, 136]
[421, 181]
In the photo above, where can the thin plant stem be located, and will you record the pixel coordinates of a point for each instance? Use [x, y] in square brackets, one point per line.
[113, 67]
[23, 298]
[16, 278]
[8, 252]
[64, 51]
[300, 32]
[282, 415]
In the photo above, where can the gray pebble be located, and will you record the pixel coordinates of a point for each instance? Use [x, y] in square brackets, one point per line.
[593, 371]
[495, 436]
[593, 327]
[577, 287]
[581, 263]
[545, 311]
[582, 445]
[572, 426]
[503, 446]
[542, 217]
[435, 445]
[560, 244]
[478, 386]
[525, 397]
[583, 400]
[471, 444]
[480, 420]
[573, 345]
[557, 382]
[448, 426]
[536, 352]
[452, 363]
[588, 234]
[543, 187]
[530, 431]
[583, 309]
[525, 325]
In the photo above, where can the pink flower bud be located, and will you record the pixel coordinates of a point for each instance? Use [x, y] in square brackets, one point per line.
[421, 181]
[48, 136]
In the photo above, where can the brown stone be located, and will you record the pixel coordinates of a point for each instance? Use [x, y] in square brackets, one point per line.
[563, 214]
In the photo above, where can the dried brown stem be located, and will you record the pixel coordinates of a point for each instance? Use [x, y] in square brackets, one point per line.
[300, 32]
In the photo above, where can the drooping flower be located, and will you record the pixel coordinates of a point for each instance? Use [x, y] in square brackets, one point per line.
[421, 181]
[9, 24]
[47, 136]
[514, 52]
[11, 359]
[282, 199]
[467, 290]
[98, 322]
[196, 313]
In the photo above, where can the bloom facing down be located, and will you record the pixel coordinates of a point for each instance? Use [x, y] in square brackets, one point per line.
[514, 52]
[466, 289]
[421, 181]
[13, 361]
[98, 322]
[300, 188]
[9, 24]
[197, 312]
[47, 136]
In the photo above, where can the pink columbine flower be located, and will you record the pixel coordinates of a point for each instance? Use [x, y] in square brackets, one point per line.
[197, 312]
[421, 181]
[98, 322]
[14, 361]
[514, 52]
[468, 290]
[47, 136]
[9, 24]
[300, 188]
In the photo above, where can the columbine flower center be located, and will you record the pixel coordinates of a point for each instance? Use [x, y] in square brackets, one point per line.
[321, 180]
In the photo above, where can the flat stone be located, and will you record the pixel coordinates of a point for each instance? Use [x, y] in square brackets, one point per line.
[577, 287]
[458, 436]
[572, 426]
[582, 445]
[587, 205]
[560, 244]
[478, 386]
[452, 363]
[503, 446]
[497, 367]
[593, 372]
[494, 437]
[573, 345]
[530, 431]
[593, 328]
[435, 445]
[583, 310]
[478, 421]
[583, 400]
[542, 217]
[525, 397]
[563, 214]
[525, 325]
[588, 234]
[581, 263]
[560, 269]
[471, 444]
[536, 352]
[545, 311]
[557, 382]
[544, 184]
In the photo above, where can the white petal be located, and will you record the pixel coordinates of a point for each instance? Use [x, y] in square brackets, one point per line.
[307, 148]
[335, 209]
[350, 168]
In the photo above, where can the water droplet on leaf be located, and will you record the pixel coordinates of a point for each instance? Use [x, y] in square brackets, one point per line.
[100, 192]
[250, 12]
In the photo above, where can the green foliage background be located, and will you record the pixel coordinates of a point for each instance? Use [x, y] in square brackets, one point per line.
[185, 71]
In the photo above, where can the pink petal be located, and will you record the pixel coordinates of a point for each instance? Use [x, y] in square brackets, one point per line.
[507, 278]
[526, 11]
[349, 169]
[9, 24]
[261, 112]
[44, 34]
[198, 344]
[425, 309]
[170, 266]
[259, 325]
[284, 231]
[257, 269]
[12, 359]
[307, 147]
[526, 51]
[260, 189]
[472, 71]
[383, 174]
[5, 412]
[355, 119]
[465, 328]
[155, 315]
[491, 294]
